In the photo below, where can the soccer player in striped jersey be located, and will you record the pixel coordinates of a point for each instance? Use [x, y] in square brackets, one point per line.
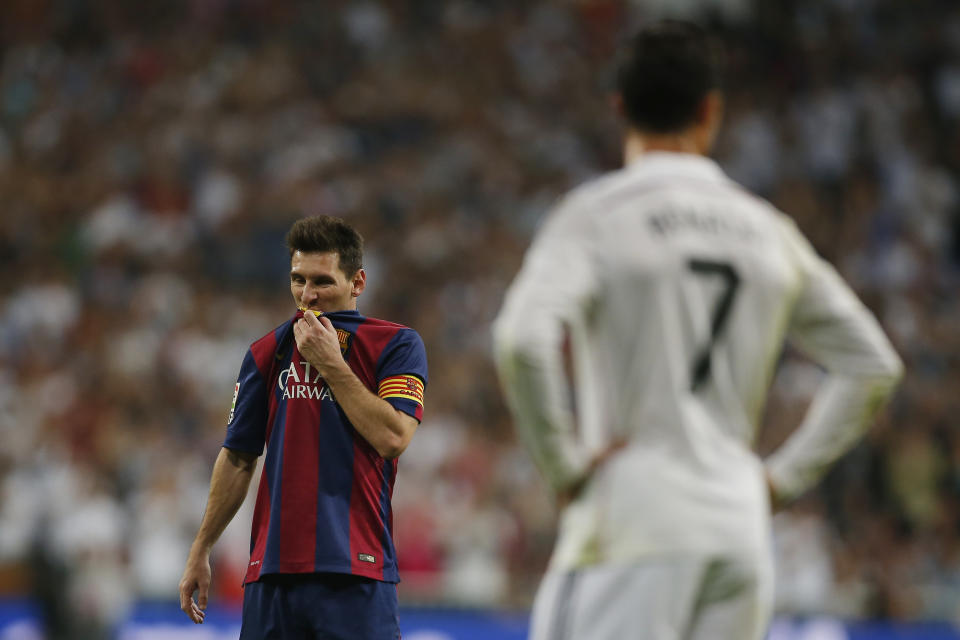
[677, 290]
[335, 398]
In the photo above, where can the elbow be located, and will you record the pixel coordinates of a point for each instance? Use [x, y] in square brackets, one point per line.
[896, 371]
[882, 377]
[394, 441]
[392, 446]
[503, 339]
[518, 341]
[393, 435]
[511, 332]
[891, 368]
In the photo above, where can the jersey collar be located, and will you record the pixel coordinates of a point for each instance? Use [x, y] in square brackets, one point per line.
[687, 165]
[345, 314]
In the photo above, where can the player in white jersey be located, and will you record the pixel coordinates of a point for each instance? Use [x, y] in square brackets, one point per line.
[677, 290]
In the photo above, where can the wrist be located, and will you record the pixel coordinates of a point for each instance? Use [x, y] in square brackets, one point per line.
[200, 550]
[336, 372]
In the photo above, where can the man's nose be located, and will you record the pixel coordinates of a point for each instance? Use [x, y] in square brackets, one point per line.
[309, 293]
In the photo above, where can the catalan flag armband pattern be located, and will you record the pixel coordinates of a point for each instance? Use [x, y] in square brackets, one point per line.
[402, 386]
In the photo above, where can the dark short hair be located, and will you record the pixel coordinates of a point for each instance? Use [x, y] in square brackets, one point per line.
[323, 234]
[664, 73]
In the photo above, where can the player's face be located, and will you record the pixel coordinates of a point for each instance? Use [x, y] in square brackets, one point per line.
[318, 283]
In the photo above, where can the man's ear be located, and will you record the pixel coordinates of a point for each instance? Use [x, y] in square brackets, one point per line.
[709, 118]
[710, 109]
[359, 283]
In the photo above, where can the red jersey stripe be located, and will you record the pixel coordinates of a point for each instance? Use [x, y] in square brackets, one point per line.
[299, 489]
[366, 525]
[260, 529]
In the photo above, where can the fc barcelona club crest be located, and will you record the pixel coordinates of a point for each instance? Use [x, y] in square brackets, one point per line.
[344, 337]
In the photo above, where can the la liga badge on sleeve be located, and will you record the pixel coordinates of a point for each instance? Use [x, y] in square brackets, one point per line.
[233, 405]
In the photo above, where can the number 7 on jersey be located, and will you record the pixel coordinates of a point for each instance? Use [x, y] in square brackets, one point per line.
[721, 311]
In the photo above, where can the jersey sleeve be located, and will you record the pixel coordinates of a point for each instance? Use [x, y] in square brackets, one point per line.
[247, 424]
[402, 373]
[831, 326]
[556, 286]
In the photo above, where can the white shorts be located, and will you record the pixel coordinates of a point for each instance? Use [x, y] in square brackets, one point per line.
[674, 598]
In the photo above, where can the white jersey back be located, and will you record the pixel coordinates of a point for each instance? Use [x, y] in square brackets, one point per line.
[678, 289]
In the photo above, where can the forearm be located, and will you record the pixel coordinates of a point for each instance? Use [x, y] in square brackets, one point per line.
[386, 429]
[229, 484]
[841, 411]
[531, 374]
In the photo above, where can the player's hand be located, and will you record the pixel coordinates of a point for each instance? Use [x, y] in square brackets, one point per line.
[318, 342]
[568, 495]
[196, 577]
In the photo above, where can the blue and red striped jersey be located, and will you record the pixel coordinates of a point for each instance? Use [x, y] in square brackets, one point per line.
[324, 497]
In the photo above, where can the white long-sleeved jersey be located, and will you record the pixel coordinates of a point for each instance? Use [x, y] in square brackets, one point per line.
[678, 289]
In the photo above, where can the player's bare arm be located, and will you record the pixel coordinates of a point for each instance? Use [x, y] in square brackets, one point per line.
[388, 430]
[229, 483]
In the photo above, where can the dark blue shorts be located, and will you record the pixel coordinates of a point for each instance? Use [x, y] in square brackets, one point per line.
[319, 606]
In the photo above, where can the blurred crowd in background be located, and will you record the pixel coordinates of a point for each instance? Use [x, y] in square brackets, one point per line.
[153, 155]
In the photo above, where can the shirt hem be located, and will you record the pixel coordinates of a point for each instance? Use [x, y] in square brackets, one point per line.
[299, 567]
